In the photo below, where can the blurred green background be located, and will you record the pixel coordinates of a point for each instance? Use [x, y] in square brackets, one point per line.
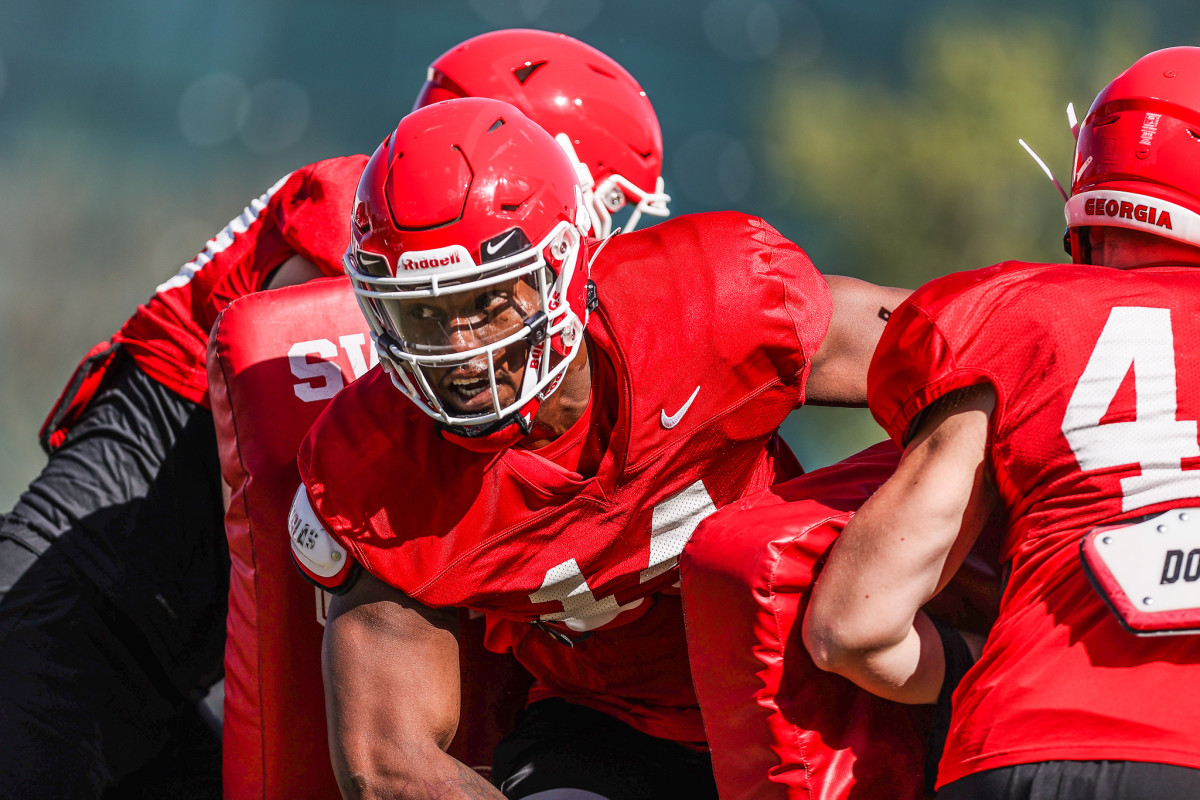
[882, 136]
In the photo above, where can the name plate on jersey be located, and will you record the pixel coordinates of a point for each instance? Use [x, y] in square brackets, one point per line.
[1149, 573]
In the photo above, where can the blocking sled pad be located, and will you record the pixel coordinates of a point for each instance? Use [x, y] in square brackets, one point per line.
[275, 359]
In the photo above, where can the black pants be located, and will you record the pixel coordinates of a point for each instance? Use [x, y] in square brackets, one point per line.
[561, 751]
[114, 578]
[1077, 780]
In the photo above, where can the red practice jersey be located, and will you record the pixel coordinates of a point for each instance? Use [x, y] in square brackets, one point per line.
[1097, 379]
[706, 327]
[305, 213]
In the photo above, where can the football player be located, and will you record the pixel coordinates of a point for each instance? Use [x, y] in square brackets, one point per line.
[550, 421]
[1065, 396]
[113, 566]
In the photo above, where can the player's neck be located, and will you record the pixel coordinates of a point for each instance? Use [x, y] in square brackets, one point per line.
[565, 406]
[1132, 250]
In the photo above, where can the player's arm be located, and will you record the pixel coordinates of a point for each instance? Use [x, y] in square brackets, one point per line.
[899, 550]
[839, 368]
[391, 674]
[296, 269]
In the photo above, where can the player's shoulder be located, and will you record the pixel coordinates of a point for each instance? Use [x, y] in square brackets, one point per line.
[703, 228]
[336, 172]
[716, 250]
[371, 394]
[1014, 296]
[365, 435]
[370, 429]
[953, 332]
[312, 208]
[347, 424]
[973, 286]
[740, 311]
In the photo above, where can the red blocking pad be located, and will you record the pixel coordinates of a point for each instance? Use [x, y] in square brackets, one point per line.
[275, 359]
[778, 726]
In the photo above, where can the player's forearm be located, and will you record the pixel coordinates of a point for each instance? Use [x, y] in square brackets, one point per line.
[426, 773]
[864, 605]
[897, 552]
[390, 667]
[909, 670]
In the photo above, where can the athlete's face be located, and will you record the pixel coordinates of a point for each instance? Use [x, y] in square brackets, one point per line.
[466, 321]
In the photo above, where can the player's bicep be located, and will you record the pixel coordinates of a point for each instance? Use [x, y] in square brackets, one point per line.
[295, 270]
[839, 367]
[390, 667]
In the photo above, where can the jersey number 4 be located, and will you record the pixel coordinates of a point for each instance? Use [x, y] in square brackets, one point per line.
[1139, 339]
[674, 520]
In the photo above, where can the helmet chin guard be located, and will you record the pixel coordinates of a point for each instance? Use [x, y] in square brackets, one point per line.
[495, 436]
[476, 307]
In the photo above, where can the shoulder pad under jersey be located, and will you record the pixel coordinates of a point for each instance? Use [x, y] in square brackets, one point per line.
[318, 555]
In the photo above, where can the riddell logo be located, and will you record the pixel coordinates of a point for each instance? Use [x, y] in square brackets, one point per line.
[425, 261]
[1123, 209]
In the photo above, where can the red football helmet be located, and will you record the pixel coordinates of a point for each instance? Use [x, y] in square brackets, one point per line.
[592, 106]
[1137, 158]
[468, 257]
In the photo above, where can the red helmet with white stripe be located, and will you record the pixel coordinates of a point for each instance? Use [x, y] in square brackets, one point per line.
[468, 257]
[1137, 158]
[587, 101]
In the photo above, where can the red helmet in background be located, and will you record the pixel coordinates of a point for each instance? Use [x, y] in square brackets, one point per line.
[587, 101]
[467, 253]
[1137, 158]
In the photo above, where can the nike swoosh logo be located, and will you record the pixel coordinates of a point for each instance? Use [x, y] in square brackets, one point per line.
[494, 247]
[671, 420]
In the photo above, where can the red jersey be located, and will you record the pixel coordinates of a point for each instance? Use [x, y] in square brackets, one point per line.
[1095, 372]
[305, 213]
[706, 328]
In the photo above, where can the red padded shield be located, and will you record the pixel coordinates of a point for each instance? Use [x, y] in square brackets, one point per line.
[275, 358]
[778, 726]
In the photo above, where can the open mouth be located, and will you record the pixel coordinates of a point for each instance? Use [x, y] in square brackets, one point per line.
[469, 394]
[464, 388]
[467, 388]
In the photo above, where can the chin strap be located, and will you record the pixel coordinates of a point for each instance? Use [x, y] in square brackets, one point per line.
[509, 430]
[495, 436]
